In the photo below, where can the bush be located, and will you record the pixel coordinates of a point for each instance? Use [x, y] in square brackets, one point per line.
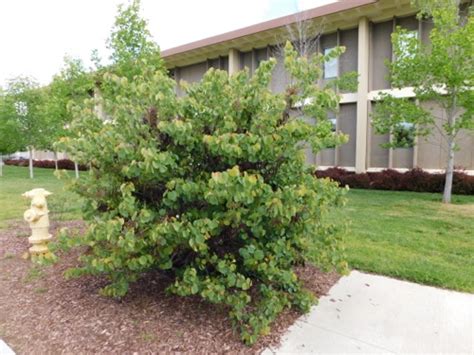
[64, 164]
[211, 187]
[413, 180]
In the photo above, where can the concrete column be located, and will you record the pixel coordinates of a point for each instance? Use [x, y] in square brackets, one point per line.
[177, 78]
[234, 61]
[254, 61]
[362, 96]
[338, 123]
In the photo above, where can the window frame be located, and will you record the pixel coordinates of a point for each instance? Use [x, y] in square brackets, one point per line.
[406, 128]
[333, 62]
[408, 35]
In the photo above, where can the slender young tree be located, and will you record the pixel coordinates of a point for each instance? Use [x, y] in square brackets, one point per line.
[441, 71]
[71, 86]
[22, 110]
[130, 41]
[9, 131]
[132, 49]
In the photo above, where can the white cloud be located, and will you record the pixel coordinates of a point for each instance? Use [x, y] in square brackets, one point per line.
[37, 34]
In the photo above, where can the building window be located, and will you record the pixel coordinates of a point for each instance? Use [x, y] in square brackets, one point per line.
[330, 67]
[333, 121]
[403, 135]
[406, 40]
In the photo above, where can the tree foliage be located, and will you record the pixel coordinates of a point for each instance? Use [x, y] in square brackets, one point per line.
[24, 123]
[212, 187]
[441, 71]
[36, 117]
[70, 87]
[9, 128]
[130, 42]
[21, 114]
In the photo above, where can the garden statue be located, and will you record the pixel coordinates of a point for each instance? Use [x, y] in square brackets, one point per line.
[37, 217]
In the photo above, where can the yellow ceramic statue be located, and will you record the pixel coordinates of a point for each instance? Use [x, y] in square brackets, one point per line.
[37, 217]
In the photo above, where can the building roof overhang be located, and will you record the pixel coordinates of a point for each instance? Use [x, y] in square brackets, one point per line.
[343, 14]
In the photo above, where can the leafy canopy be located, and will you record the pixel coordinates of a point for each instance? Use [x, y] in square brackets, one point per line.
[71, 86]
[23, 122]
[9, 129]
[130, 42]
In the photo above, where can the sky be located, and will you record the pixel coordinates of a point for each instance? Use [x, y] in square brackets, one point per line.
[35, 35]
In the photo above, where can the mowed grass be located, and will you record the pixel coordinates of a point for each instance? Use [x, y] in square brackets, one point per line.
[411, 236]
[15, 181]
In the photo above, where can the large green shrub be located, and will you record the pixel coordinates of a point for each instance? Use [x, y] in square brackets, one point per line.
[212, 186]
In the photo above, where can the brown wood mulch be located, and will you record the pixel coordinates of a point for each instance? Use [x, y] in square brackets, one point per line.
[42, 312]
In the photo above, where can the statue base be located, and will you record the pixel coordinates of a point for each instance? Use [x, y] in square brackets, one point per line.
[40, 245]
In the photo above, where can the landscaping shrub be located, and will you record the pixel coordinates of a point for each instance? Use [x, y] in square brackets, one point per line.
[65, 164]
[211, 187]
[412, 180]
[386, 180]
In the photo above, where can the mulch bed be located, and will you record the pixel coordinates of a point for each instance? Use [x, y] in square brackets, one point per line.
[41, 312]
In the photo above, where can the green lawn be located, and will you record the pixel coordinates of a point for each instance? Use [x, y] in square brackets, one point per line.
[407, 235]
[411, 236]
[15, 181]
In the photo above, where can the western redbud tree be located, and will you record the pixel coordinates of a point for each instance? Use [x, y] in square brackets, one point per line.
[212, 186]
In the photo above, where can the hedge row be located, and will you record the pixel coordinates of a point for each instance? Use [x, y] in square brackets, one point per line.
[66, 164]
[413, 180]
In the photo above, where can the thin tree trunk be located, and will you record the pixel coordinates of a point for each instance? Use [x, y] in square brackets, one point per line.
[55, 160]
[1, 164]
[30, 151]
[76, 169]
[448, 183]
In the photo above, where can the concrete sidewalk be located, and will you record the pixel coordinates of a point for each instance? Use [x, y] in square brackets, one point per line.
[366, 313]
[5, 349]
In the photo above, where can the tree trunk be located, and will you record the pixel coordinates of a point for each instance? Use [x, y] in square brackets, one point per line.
[76, 169]
[451, 135]
[1, 164]
[448, 182]
[30, 151]
[55, 160]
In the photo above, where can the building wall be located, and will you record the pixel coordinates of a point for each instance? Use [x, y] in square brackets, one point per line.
[464, 158]
[193, 73]
[428, 153]
[381, 46]
[280, 77]
[346, 122]
[381, 50]
[253, 58]
[221, 63]
[39, 155]
[402, 158]
[377, 156]
[47, 155]
[432, 150]
[348, 60]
